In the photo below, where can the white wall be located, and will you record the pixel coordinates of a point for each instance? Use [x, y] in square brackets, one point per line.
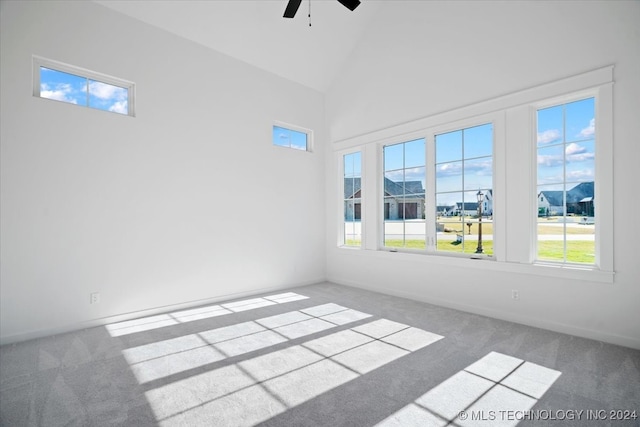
[187, 201]
[419, 59]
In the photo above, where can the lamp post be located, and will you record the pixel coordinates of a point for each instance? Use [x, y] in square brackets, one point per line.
[480, 197]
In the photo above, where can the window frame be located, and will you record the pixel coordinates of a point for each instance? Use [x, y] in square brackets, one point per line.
[294, 128]
[381, 173]
[495, 119]
[39, 61]
[429, 134]
[603, 179]
[514, 160]
[341, 166]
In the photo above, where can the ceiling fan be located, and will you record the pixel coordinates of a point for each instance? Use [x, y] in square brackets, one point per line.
[293, 5]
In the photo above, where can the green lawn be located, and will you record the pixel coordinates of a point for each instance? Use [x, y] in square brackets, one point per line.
[467, 247]
[580, 251]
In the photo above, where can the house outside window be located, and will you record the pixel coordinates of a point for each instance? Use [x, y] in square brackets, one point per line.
[404, 194]
[464, 167]
[566, 148]
[546, 186]
[352, 179]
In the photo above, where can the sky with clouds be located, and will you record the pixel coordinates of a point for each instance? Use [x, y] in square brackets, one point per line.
[464, 158]
[289, 138]
[81, 91]
[464, 163]
[566, 145]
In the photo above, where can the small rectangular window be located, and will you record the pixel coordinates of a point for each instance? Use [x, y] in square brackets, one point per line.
[352, 199]
[566, 177]
[74, 85]
[298, 139]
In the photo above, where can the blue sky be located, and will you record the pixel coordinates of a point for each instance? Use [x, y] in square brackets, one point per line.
[289, 138]
[73, 89]
[405, 161]
[566, 145]
[463, 163]
[353, 165]
[464, 160]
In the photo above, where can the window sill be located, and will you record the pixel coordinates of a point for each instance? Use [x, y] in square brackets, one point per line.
[570, 272]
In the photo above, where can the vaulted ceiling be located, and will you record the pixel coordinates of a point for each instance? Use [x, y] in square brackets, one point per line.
[255, 32]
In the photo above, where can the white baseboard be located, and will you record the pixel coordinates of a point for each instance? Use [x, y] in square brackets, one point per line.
[524, 320]
[45, 332]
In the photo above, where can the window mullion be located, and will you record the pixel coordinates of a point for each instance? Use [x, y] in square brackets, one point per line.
[430, 194]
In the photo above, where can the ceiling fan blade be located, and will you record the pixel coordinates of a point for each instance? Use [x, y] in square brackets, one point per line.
[350, 4]
[292, 8]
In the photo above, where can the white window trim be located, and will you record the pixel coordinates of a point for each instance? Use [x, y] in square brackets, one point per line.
[340, 218]
[497, 120]
[308, 132]
[599, 81]
[603, 100]
[39, 61]
[380, 198]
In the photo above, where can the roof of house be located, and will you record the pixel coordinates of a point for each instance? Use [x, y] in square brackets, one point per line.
[576, 194]
[580, 191]
[554, 197]
[443, 208]
[468, 206]
[407, 188]
[351, 187]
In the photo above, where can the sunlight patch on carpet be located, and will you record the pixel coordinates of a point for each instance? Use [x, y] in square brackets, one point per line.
[491, 391]
[183, 316]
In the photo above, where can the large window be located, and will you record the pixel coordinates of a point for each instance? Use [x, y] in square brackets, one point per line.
[404, 195]
[352, 173]
[74, 85]
[518, 180]
[464, 190]
[565, 183]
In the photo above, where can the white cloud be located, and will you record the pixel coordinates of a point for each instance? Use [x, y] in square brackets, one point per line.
[574, 153]
[449, 169]
[581, 175]
[574, 148]
[414, 174]
[120, 107]
[549, 136]
[589, 130]
[61, 92]
[394, 176]
[107, 92]
[477, 167]
[577, 153]
[410, 174]
[549, 160]
[550, 179]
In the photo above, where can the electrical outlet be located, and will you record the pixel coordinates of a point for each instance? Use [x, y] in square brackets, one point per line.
[94, 298]
[515, 294]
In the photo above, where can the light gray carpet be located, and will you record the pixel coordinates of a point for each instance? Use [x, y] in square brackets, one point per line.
[321, 355]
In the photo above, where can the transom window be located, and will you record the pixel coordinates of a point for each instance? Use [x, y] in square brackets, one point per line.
[291, 137]
[565, 183]
[74, 85]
